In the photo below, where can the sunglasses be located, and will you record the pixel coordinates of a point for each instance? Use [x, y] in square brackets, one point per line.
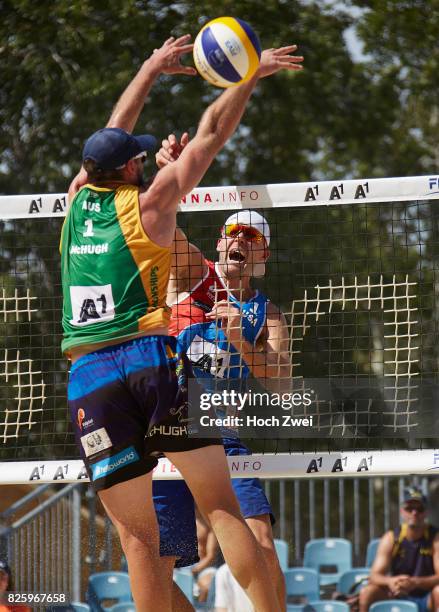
[411, 509]
[142, 156]
[250, 233]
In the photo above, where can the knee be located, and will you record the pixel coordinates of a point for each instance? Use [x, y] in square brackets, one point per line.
[435, 593]
[138, 540]
[268, 548]
[266, 542]
[367, 594]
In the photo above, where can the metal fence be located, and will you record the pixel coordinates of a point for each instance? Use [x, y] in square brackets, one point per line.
[46, 552]
[358, 509]
[43, 546]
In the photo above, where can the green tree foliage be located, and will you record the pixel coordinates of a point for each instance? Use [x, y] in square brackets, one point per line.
[400, 40]
[64, 64]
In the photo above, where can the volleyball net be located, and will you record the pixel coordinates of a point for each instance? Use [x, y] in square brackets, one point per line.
[354, 268]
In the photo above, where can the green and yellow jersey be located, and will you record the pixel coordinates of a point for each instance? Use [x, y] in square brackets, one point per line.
[114, 277]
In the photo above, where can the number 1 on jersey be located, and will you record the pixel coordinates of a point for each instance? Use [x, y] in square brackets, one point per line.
[89, 228]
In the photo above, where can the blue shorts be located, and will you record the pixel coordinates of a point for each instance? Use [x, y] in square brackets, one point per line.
[178, 537]
[249, 491]
[421, 601]
[128, 403]
[175, 510]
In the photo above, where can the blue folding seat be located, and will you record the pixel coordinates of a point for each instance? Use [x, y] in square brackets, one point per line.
[303, 583]
[371, 551]
[328, 556]
[326, 606]
[393, 605]
[355, 576]
[108, 587]
[184, 579]
[282, 553]
[124, 606]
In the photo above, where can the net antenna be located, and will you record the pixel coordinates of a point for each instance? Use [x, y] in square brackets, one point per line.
[354, 266]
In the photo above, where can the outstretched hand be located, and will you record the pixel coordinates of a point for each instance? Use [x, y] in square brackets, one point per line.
[171, 149]
[274, 60]
[168, 57]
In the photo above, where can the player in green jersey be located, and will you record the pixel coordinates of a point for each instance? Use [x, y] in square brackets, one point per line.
[124, 387]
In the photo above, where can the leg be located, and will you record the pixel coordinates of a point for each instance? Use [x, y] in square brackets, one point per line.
[433, 600]
[207, 475]
[180, 603]
[129, 506]
[370, 594]
[261, 528]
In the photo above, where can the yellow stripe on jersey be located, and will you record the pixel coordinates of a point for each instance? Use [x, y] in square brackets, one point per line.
[153, 261]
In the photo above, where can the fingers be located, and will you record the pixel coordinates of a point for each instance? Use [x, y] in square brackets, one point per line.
[185, 70]
[184, 139]
[184, 49]
[284, 50]
[182, 39]
[178, 42]
[291, 63]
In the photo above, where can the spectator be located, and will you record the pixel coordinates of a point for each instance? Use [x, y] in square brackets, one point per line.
[7, 586]
[229, 595]
[406, 565]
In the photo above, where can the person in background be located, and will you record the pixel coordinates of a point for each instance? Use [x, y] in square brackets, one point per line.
[229, 596]
[406, 565]
[210, 557]
[7, 586]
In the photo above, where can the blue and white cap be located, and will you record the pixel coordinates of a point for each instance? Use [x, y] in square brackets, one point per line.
[253, 219]
[112, 148]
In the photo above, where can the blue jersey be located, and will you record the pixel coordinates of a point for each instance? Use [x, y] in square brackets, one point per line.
[214, 359]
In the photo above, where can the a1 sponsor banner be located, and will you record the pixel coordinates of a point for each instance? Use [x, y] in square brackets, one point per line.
[303, 465]
[275, 195]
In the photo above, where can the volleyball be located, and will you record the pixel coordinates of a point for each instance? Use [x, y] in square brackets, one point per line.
[226, 52]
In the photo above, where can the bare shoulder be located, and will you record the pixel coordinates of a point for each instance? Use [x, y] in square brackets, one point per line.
[387, 540]
[274, 313]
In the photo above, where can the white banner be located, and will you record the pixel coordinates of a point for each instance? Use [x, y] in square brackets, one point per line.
[317, 193]
[271, 466]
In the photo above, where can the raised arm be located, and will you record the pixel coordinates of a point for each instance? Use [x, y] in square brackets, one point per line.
[185, 254]
[215, 128]
[165, 60]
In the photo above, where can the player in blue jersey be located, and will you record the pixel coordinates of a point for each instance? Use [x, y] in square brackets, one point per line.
[229, 331]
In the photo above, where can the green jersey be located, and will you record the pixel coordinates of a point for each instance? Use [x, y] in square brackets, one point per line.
[114, 277]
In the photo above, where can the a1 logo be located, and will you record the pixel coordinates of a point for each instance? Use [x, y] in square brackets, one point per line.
[91, 304]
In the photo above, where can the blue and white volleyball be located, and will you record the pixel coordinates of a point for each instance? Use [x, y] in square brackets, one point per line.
[226, 52]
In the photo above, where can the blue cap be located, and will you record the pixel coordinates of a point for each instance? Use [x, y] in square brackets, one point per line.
[111, 148]
[414, 494]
